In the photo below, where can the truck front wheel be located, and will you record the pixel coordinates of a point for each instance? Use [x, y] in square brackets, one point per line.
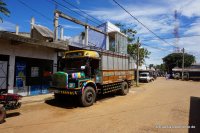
[2, 114]
[88, 97]
[124, 88]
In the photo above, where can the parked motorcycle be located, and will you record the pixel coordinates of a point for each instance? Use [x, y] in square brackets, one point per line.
[8, 101]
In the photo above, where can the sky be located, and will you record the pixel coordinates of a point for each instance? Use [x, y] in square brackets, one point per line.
[158, 16]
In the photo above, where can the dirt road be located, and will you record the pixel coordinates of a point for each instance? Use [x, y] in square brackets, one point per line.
[149, 108]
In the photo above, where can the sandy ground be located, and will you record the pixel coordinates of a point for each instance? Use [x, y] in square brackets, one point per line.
[149, 108]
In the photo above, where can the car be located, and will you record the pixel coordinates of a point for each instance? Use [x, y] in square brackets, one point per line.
[145, 77]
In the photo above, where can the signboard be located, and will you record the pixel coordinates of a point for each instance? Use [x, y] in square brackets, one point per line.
[20, 74]
[34, 71]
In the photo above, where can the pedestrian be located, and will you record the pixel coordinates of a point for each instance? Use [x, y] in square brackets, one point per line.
[88, 69]
[166, 76]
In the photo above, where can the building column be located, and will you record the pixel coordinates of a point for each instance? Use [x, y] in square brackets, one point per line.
[107, 42]
[11, 74]
[55, 61]
[86, 35]
[56, 16]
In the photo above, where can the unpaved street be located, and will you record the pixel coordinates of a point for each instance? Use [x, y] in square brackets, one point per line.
[145, 109]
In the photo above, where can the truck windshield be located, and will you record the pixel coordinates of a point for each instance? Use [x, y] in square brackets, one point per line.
[72, 64]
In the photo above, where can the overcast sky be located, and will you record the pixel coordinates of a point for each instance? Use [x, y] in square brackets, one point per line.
[156, 15]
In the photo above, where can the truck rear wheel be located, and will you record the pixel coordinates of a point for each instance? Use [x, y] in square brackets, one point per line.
[124, 88]
[88, 97]
[2, 114]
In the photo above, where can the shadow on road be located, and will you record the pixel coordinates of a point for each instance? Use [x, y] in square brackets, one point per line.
[194, 115]
[71, 102]
[13, 114]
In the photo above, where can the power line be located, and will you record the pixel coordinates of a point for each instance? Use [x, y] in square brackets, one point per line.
[72, 10]
[161, 49]
[36, 11]
[98, 22]
[95, 18]
[172, 37]
[81, 11]
[157, 48]
[142, 23]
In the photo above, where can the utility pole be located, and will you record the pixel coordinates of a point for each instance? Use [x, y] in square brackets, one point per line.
[56, 16]
[183, 63]
[138, 63]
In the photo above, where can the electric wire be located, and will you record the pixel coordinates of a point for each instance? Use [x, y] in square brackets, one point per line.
[99, 21]
[188, 36]
[142, 23]
[36, 11]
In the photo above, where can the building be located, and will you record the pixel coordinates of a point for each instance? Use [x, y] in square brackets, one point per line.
[192, 72]
[27, 60]
[116, 40]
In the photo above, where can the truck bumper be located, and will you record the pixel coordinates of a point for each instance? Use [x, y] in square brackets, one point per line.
[65, 91]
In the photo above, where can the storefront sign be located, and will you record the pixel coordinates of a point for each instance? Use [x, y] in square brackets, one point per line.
[34, 71]
[20, 74]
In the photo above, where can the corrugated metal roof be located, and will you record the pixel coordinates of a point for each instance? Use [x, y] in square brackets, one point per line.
[44, 31]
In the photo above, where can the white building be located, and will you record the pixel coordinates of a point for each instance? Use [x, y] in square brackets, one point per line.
[27, 60]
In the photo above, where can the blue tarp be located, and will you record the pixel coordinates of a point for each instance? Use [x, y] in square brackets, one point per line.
[97, 39]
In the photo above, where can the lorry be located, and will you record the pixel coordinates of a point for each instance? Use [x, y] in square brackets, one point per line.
[88, 73]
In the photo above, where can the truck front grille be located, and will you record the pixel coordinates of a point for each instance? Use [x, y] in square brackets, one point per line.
[59, 80]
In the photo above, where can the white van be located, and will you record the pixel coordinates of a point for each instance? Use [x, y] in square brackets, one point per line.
[145, 77]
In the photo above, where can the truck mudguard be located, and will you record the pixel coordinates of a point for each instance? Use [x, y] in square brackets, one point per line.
[88, 83]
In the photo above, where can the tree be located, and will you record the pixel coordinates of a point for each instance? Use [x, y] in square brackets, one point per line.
[151, 65]
[160, 67]
[3, 9]
[128, 31]
[132, 46]
[175, 60]
[143, 53]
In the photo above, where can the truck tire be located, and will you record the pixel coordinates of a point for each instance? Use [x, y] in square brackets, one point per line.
[88, 97]
[2, 114]
[124, 88]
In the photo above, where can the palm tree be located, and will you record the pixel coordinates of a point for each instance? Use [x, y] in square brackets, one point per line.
[3, 9]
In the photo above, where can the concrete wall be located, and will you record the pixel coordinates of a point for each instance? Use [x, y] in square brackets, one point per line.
[25, 50]
[111, 27]
[36, 35]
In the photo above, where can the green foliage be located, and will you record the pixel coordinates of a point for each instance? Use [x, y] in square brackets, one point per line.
[128, 31]
[151, 65]
[3, 9]
[161, 67]
[175, 60]
[143, 53]
[132, 46]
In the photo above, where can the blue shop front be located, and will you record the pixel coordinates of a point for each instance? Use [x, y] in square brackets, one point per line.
[32, 76]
